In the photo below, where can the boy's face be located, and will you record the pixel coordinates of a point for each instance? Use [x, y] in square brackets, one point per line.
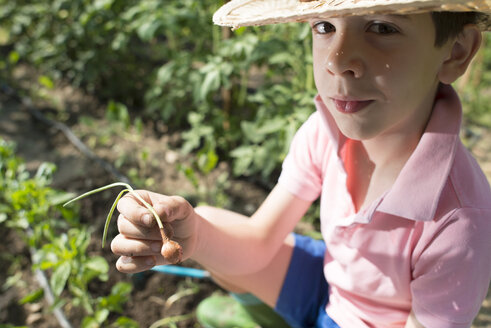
[377, 74]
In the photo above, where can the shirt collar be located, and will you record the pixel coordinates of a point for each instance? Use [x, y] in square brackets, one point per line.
[417, 189]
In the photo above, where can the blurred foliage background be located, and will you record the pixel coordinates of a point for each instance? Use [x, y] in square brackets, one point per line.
[238, 96]
[233, 96]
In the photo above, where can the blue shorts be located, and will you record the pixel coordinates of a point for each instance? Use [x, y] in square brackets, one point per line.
[305, 292]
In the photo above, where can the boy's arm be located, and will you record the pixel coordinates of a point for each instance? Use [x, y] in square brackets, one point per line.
[231, 243]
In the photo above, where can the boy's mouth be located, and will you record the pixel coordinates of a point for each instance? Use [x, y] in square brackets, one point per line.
[350, 106]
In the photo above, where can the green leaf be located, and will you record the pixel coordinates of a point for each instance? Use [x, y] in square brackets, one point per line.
[165, 73]
[12, 281]
[45, 172]
[125, 322]
[244, 156]
[14, 57]
[32, 297]
[101, 315]
[59, 278]
[251, 132]
[60, 198]
[207, 161]
[239, 31]
[98, 264]
[4, 36]
[122, 288]
[90, 322]
[77, 291]
[44, 265]
[210, 83]
[103, 4]
[272, 125]
[119, 42]
[147, 30]
[189, 174]
[59, 303]
[46, 82]
[117, 112]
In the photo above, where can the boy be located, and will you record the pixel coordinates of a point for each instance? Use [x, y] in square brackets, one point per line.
[405, 210]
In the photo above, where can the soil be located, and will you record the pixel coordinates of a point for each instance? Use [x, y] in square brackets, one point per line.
[153, 165]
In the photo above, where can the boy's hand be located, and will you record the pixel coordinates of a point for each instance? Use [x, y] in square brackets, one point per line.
[139, 242]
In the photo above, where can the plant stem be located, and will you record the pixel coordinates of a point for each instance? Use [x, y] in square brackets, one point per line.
[129, 189]
[110, 215]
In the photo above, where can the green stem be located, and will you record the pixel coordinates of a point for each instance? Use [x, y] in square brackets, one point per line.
[88, 193]
[129, 189]
[148, 206]
[110, 215]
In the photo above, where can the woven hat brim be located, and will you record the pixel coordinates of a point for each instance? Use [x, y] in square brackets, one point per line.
[237, 13]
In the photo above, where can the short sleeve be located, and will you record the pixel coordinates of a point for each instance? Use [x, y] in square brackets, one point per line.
[301, 170]
[452, 273]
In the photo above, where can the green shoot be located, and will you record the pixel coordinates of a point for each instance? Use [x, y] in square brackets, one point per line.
[171, 250]
[129, 189]
[110, 215]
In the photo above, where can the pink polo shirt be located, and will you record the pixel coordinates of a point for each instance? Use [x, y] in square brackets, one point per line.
[424, 245]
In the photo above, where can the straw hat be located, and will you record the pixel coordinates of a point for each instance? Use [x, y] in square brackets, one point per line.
[237, 13]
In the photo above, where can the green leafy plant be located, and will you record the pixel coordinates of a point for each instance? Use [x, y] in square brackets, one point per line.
[170, 61]
[66, 257]
[171, 250]
[60, 243]
[112, 303]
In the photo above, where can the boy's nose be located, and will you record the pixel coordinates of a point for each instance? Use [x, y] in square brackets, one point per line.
[343, 59]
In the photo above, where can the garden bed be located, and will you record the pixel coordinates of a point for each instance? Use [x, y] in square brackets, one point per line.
[154, 296]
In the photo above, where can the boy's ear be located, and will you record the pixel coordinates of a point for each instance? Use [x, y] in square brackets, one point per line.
[462, 50]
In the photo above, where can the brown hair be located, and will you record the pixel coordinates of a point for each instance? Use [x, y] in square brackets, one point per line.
[450, 24]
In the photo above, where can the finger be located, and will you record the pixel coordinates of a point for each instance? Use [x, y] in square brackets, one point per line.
[135, 247]
[134, 231]
[131, 208]
[173, 208]
[135, 264]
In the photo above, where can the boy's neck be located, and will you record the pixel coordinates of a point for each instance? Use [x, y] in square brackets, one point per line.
[377, 162]
[371, 171]
[391, 150]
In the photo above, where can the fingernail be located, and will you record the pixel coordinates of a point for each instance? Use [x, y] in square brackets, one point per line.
[150, 261]
[147, 219]
[126, 259]
[156, 247]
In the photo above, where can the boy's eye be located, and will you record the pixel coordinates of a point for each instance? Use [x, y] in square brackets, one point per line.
[382, 28]
[323, 28]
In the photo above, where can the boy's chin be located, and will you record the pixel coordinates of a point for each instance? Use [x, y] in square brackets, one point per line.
[358, 132]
